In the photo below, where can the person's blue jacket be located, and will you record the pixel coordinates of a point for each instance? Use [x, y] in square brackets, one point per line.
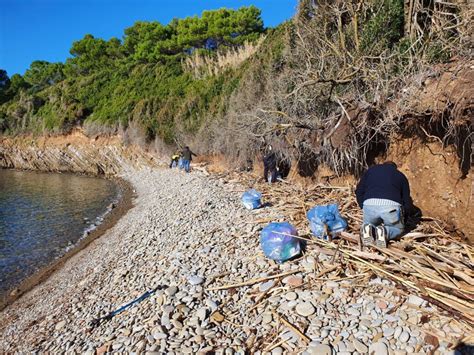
[384, 181]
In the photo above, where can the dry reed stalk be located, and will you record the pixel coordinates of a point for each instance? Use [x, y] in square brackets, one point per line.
[298, 332]
[428, 261]
[253, 281]
[273, 346]
[326, 271]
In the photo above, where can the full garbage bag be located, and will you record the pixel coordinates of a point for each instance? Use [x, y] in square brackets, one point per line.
[252, 199]
[324, 220]
[278, 242]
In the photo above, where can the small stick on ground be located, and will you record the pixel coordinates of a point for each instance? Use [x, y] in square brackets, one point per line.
[326, 271]
[273, 346]
[253, 281]
[303, 337]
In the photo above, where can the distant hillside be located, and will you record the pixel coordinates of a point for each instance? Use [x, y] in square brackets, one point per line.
[333, 86]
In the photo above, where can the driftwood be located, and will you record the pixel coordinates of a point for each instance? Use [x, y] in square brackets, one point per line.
[429, 261]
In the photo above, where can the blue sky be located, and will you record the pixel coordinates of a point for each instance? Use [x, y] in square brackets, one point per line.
[45, 29]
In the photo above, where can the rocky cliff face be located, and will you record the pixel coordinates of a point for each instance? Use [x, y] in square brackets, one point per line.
[72, 153]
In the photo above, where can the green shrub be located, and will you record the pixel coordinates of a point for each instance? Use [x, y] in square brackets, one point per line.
[436, 53]
[384, 27]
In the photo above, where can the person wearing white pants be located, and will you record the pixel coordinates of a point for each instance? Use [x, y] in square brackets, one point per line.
[383, 193]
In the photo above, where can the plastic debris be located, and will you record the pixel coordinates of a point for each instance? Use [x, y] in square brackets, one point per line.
[252, 199]
[278, 243]
[325, 221]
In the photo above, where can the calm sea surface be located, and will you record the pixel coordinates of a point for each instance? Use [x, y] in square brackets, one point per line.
[43, 215]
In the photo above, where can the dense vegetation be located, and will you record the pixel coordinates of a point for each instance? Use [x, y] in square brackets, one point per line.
[329, 86]
[141, 78]
[336, 84]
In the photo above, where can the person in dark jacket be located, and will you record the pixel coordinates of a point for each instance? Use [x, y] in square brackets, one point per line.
[383, 193]
[187, 158]
[270, 165]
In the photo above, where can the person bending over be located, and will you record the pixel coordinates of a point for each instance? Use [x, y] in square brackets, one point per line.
[174, 160]
[383, 193]
[187, 158]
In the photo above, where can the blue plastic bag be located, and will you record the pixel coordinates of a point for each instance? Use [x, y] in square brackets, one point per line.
[325, 220]
[278, 243]
[252, 199]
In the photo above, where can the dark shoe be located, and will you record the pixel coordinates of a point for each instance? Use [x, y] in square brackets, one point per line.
[381, 238]
[367, 234]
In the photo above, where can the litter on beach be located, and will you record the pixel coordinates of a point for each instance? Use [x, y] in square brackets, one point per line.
[325, 221]
[252, 199]
[431, 261]
[279, 242]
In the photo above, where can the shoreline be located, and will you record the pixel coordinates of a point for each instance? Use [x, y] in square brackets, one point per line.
[125, 202]
[190, 234]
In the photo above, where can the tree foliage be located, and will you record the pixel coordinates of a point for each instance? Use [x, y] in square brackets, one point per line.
[9, 87]
[139, 78]
[92, 54]
[17, 83]
[4, 85]
[151, 41]
[4, 79]
[42, 73]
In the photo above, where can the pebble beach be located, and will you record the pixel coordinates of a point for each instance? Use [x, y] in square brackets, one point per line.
[190, 234]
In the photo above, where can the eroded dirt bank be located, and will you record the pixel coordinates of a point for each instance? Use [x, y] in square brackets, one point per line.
[437, 184]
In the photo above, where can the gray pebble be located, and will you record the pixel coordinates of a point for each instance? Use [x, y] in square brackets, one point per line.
[378, 348]
[195, 280]
[171, 291]
[404, 336]
[305, 309]
[320, 349]
[360, 347]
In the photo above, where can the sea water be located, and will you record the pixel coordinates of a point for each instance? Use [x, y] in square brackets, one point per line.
[44, 215]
